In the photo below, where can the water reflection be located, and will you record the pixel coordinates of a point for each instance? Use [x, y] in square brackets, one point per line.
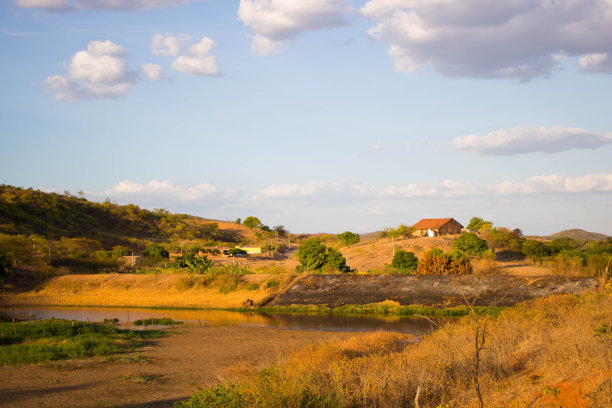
[330, 322]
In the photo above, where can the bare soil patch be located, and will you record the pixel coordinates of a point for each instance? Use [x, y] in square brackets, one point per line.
[166, 370]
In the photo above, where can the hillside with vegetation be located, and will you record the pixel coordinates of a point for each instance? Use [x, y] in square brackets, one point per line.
[50, 233]
[53, 216]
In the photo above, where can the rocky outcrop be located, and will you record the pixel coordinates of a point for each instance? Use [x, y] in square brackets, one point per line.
[427, 290]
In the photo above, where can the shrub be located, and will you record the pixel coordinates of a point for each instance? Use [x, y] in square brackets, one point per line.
[536, 250]
[313, 256]
[156, 251]
[349, 238]
[197, 264]
[470, 244]
[405, 261]
[435, 261]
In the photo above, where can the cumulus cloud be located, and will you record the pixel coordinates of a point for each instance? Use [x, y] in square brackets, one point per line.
[600, 62]
[100, 71]
[275, 22]
[524, 139]
[517, 39]
[153, 72]
[163, 191]
[115, 5]
[192, 58]
[352, 191]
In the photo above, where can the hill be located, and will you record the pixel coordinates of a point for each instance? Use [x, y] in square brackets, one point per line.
[52, 215]
[579, 234]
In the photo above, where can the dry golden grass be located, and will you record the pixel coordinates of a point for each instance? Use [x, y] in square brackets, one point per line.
[374, 255]
[544, 353]
[148, 290]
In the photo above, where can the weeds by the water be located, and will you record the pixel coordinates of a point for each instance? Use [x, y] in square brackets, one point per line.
[555, 350]
[384, 308]
[164, 321]
[49, 340]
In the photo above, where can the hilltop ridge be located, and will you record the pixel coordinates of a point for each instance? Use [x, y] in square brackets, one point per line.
[53, 215]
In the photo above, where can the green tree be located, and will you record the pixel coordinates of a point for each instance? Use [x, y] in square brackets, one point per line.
[156, 251]
[280, 230]
[238, 221]
[470, 244]
[312, 254]
[349, 238]
[336, 261]
[476, 223]
[536, 250]
[405, 261]
[252, 222]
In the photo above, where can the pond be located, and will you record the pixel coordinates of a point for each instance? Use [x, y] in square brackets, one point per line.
[322, 322]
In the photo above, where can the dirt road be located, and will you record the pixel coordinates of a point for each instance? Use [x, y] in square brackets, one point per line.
[166, 370]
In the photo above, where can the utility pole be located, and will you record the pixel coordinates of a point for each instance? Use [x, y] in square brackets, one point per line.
[393, 245]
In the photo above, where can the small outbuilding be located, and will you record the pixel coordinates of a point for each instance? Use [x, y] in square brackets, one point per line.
[432, 227]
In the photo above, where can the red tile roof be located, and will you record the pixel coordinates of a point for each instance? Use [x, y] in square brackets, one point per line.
[432, 223]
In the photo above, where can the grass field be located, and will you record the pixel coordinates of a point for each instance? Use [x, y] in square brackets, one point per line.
[49, 340]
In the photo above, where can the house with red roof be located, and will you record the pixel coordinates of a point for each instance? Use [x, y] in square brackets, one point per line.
[432, 227]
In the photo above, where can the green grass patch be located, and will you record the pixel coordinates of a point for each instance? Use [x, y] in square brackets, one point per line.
[50, 340]
[164, 321]
[376, 309]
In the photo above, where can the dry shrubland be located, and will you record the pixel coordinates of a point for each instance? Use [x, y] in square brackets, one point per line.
[550, 352]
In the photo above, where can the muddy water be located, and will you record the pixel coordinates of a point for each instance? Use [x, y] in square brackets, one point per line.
[326, 322]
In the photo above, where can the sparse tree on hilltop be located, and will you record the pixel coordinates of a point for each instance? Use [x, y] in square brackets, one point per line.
[349, 238]
[252, 222]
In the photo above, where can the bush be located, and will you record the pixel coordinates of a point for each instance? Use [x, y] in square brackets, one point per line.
[470, 244]
[349, 238]
[435, 261]
[156, 251]
[336, 261]
[405, 261]
[197, 264]
[313, 256]
[536, 250]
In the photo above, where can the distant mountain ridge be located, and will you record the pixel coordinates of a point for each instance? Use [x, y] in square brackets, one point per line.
[580, 234]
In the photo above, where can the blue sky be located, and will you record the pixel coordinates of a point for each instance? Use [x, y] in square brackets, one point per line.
[324, 115]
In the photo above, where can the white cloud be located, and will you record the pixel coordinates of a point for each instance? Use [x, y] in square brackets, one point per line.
[379, 146]
[168, 45]
[115, 5]
[163, 191]
[101, 71]
[518, 39]
[600, 62]
[352, 192]
[191, 58]
[524, 139]
[275, 22]
[153, 72]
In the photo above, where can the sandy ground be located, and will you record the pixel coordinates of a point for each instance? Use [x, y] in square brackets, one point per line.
[168, 369]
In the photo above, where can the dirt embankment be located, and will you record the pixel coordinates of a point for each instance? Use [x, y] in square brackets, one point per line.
[428, 290]
[281, 290]
[180, 291]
